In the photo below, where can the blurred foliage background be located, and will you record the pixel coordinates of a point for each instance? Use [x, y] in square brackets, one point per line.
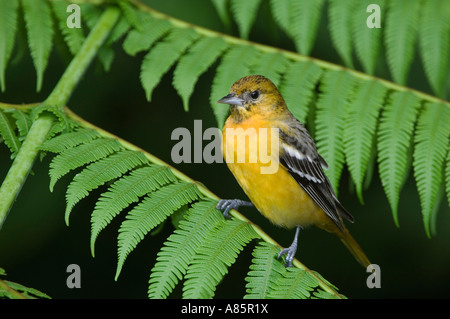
[36, 246]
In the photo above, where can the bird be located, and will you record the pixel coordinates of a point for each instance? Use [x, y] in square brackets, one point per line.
[297, 194]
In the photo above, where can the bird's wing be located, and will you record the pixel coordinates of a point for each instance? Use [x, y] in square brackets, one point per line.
[298, 154]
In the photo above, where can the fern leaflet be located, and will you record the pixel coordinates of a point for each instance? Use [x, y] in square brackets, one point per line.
[431, 142]
[340, 14]
[197, 60]
[265, 271]
[125, 191]
[244, 13]
[298, 86]
[8, 27]
[7, 132]
[217, 252]
[332, 108]
[271, 65]
[394, 139]
[77, 156]
[360, 127]
[39, 25]
[161, 58]
[179, 250]
[100, 172]
[148, 214]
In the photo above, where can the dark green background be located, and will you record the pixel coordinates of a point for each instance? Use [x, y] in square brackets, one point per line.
[36, 246]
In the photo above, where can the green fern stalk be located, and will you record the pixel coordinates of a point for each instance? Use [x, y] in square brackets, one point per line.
[43, 124]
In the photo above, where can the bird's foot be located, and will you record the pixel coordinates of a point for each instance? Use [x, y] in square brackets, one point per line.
[291, 250]
[225, 205]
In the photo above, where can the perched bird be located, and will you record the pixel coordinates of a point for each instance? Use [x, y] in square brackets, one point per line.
[298, 193]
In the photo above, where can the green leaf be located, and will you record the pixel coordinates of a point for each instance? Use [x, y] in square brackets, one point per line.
[39, 25]
[73, 37]
[298, 87]
[199, 57]
[447, 176]
[434, 36]
[431, 143]
[141, 40]
[179, 250]
[295, 284]
[222, 11]
[340, 14]
[367, 41]
[332, 108]
[148, 214]
[23, 122]
[304, 21]
[8, 27]
[244, 13]
[7, 132]
[217, 252]
[235, 64]
[394, 139]
[163, 56]
[125, 191]
[360, 128]
[265, 271]
[62, 142]
[100, 172]
[402, 20]
[77, 156]
[270, 65]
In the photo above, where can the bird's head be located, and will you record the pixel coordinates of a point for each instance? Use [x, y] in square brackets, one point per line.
[252, 95]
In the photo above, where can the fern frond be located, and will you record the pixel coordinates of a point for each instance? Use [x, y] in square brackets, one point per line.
[62, 142]
[98, 173]
[235, 63]
[77, 156]
[447, 176]
[217, 252]
[271, 65]
[23, 123]
[367, 41]
[125, 191]
[304, 22]
[360, 127]
[431, 143]
[400, 35]
[7, 132]
[40, 31]
[244, 13]
[294, 284]
[340, 14]
[74, 37]
[8, 27]
[332, 108]
[161, 58]
[148, 214]
[179, 250]
[265, 271]
[141, 40]
[394, 139]
[434, 40]
[298, 87]
[200, 56]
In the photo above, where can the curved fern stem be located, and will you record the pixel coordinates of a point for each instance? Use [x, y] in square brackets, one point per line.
[289, 54]
[22, 164]
[65, 86]
[43, 124]
[205, 191]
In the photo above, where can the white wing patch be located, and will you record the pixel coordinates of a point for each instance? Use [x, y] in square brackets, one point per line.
[306, 162]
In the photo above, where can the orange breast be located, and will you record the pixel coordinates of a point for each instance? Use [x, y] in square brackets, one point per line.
[276, 195]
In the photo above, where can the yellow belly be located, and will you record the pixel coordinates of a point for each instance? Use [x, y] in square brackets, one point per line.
[277, 195]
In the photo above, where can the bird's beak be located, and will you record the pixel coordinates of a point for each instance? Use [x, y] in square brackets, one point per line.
[231, 99]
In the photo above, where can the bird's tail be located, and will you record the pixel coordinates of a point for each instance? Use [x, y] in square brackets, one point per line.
[351, 244]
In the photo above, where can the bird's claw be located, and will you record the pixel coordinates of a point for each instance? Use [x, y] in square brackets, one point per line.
[225, 205]
[290, 254]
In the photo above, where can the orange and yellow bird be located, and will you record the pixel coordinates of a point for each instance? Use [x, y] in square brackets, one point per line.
[298, 193]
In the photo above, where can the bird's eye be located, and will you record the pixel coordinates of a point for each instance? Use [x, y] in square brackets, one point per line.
[254, 95]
